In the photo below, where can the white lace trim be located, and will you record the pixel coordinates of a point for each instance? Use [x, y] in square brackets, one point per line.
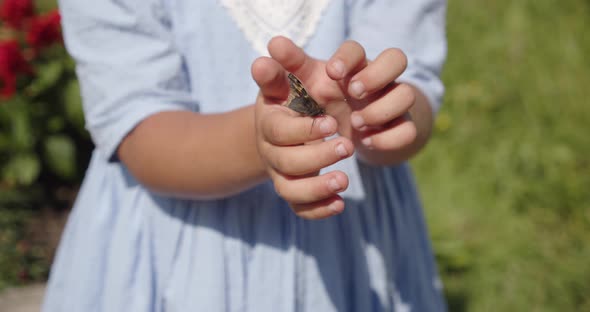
[260, 20]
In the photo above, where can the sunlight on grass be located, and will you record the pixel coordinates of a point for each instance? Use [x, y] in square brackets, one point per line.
[506, 179]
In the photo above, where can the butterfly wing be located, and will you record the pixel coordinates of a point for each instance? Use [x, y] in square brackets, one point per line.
[300, 105]
[300, 101]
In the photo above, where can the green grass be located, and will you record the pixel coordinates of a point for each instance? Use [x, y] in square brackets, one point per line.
[506, 178]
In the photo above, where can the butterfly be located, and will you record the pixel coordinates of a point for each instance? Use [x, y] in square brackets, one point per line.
[300, 101]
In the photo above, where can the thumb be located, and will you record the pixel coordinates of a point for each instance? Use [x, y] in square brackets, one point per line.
[291, 57]
[271, 78]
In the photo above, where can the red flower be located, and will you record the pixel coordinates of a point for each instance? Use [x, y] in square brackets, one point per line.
[44, 30]
[12, 63]
[15, 12]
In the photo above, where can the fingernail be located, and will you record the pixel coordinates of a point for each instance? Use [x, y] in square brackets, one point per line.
[357, 89]
[341, 150]
[357, 121]
[334, 185]
[326, 127]
[367, 142]
[335, 208]
[338, 68]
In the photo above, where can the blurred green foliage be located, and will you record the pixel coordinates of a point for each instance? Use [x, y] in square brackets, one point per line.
[40, 126]
[506, 179]
[43, 150]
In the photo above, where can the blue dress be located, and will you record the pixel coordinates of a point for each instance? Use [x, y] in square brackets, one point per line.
[127, 249]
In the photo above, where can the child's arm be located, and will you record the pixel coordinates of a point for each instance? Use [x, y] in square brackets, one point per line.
[140, 107]
[193, 155]
[211, 156]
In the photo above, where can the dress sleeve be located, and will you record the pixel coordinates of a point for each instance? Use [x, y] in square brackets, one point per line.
[415, 26]
[127, 64]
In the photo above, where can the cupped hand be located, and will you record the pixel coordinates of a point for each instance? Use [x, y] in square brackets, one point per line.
[380, 124]
[370, 107]
[364, 105]
[294, 150]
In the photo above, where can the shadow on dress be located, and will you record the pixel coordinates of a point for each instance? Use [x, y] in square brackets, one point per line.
[354, 253]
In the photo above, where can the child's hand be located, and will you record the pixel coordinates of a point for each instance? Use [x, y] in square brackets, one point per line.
[380, 124]
[294, 150]
[363, 104]
[370, 107]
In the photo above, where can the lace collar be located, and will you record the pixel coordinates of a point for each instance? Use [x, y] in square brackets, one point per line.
[261, 20]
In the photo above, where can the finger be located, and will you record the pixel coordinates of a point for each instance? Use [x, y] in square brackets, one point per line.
[320, 210]
[348, 59]
[305, 159]
[400, 132]
[297, 190]
[389, 65]
[290, 56]
[281, 128]
[271, 78]
[393, 104]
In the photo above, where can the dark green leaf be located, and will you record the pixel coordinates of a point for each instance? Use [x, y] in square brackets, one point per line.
[22, 131]
[60, 155]
[22, 169]
[73, 104]
[55, 124]
[47, 76]
[4, 142]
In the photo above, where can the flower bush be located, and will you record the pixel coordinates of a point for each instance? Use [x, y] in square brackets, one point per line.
[16, 13]
[44, 148]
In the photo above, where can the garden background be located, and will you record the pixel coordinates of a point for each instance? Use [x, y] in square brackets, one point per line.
[505, 180]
